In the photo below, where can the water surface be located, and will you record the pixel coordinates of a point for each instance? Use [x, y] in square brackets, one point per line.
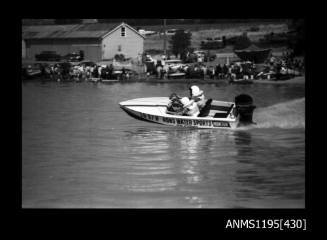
[79, 149]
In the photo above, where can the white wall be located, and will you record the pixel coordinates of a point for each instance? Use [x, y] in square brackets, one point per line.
[131, 44]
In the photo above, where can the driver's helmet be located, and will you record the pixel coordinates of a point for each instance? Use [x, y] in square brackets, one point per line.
[195, 91]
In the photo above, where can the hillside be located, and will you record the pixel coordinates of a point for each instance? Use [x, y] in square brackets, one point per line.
[202, 31]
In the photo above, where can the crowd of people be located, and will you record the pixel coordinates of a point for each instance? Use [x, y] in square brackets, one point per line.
[202, 71]
[275, 67]
[281, 68]
[67, 72]
[198, 70]
[285, 63]
[286, 66]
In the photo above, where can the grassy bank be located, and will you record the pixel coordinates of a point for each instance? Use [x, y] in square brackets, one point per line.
[202, 31]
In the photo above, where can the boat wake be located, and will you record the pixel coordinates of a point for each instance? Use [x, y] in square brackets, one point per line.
[289, 114]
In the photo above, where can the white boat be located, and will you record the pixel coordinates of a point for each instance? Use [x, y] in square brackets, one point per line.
[176, 75]
[92, 79]
[219, 114]
[241, 81]
[109, 80]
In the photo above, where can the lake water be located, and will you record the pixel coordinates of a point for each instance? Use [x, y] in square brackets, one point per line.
[79, 149]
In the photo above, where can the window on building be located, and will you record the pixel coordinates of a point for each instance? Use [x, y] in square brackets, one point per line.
[119, 48]
[122, 31]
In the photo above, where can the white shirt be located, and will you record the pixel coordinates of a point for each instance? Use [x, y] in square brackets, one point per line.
[193, 109]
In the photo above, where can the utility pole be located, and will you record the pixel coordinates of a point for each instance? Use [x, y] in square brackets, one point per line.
[165, 37]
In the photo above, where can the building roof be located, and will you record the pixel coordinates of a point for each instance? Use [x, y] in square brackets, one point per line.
[87, 30]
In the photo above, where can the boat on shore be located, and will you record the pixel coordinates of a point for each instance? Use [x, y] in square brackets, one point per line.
[176, 75]
[31, 72]
[241, 81]
[216, 114]
[103, 80]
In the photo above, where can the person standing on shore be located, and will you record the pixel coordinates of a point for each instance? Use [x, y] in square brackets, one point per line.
[123, 74]
[95, 72]
[99, 71]
[224, 71]
[202, 71]
[165, 70]
[111, 71]
[218, 71]
[212, 72]
[159, 69]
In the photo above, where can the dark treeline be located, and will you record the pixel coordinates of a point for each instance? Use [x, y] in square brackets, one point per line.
[146, 21]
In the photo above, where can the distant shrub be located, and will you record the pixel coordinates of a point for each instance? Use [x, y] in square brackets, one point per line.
[212, 44]
[272, 38]
[231, 40]
[180, 42]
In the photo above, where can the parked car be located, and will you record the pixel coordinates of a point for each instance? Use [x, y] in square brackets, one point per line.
[73, 57]
[169, 32]
[174, 64]
[48, 56]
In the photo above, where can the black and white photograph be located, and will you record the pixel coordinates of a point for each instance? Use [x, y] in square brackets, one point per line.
[163, 113]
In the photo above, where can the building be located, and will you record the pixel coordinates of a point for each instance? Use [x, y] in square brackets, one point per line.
[99, 41]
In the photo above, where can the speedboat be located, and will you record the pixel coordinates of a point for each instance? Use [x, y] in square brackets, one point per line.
[215, 114]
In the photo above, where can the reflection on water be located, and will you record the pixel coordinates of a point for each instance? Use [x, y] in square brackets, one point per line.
[213, 168]
[181, 158]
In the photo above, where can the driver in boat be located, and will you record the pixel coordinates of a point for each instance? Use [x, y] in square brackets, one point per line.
[190, 107]
[197, 96]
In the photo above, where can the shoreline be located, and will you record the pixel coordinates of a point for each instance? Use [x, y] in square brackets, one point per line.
[295, 80]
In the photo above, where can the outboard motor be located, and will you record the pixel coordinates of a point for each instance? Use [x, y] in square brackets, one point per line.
[244, 108]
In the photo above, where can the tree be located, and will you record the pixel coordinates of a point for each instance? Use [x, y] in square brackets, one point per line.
[242, 42]
[180, 43]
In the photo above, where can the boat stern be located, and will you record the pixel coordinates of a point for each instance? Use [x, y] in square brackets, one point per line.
[244, 109]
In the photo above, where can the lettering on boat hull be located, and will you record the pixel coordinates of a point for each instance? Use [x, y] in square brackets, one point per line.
[185, 122]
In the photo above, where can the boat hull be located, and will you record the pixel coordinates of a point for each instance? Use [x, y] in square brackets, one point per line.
[142, 109]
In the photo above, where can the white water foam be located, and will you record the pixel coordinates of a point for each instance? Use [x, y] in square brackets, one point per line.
[289, 114]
